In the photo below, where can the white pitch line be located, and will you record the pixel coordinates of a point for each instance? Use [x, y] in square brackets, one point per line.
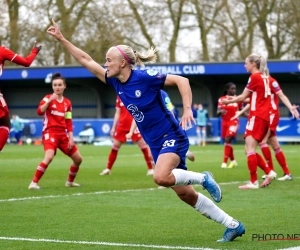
[104, 192]
[290, 248]
[76, 194]
[104, 243]
[93, 193]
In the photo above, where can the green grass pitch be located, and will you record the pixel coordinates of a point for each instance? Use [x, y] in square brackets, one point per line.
[126, 210]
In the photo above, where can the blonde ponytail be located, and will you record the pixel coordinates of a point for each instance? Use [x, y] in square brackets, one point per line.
[260, 62]
[133, 58]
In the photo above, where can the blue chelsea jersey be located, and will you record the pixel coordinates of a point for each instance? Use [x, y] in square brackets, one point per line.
[142, 97]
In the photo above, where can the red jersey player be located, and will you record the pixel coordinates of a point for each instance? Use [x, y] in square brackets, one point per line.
[121, 127]
[258, 120]
[271, 137]
[8, 55]
[57, 112]
[229, 126]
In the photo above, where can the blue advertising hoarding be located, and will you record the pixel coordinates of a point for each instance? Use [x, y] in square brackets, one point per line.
[178, 69]
[287, 129]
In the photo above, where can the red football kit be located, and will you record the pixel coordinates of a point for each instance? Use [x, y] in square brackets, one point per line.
[57, 122]
[3, 107]
[259, 115]
[8, 55]
[229, 127]
[124, 124]
[274, 107]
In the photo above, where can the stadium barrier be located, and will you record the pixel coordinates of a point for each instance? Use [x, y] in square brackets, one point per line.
[288, 130]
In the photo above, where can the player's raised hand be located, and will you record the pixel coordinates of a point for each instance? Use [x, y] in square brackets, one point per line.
[53, 97]
[38, 47]
[54, 31]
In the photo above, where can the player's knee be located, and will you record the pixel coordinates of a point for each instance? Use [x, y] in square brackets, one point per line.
[161, 180]
[78, 160]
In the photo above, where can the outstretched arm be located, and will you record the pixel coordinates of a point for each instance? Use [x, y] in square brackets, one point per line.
[240, 98]
[288, 104]
[240, 112]
[186, 94]
[83, 58]
[23, 61]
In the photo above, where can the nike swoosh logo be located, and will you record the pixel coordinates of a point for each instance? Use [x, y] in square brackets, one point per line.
[120, 93]
[279, 129]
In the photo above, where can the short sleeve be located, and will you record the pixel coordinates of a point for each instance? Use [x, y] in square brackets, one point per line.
[251, 85]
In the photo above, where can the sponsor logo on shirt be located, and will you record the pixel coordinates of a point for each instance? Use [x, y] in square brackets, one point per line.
[137, 115]
[54, 112]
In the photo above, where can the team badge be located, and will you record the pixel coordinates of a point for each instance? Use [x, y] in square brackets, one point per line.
[167, 100]
[275, 84]
[138, 93]
[152, 72]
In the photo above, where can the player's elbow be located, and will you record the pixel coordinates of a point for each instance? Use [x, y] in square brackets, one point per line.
[39, 112]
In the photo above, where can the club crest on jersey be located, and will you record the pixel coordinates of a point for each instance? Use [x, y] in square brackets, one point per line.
[138, 93]
[152, 72]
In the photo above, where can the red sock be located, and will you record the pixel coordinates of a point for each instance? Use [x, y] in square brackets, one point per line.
[267, 154]
[231, 156]
[39, 172]
[72, 173]
[252, 166]
[261, 163]
[145, 151]
[227, 151]
[281, 160]
[112, 157]
[4, 132]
